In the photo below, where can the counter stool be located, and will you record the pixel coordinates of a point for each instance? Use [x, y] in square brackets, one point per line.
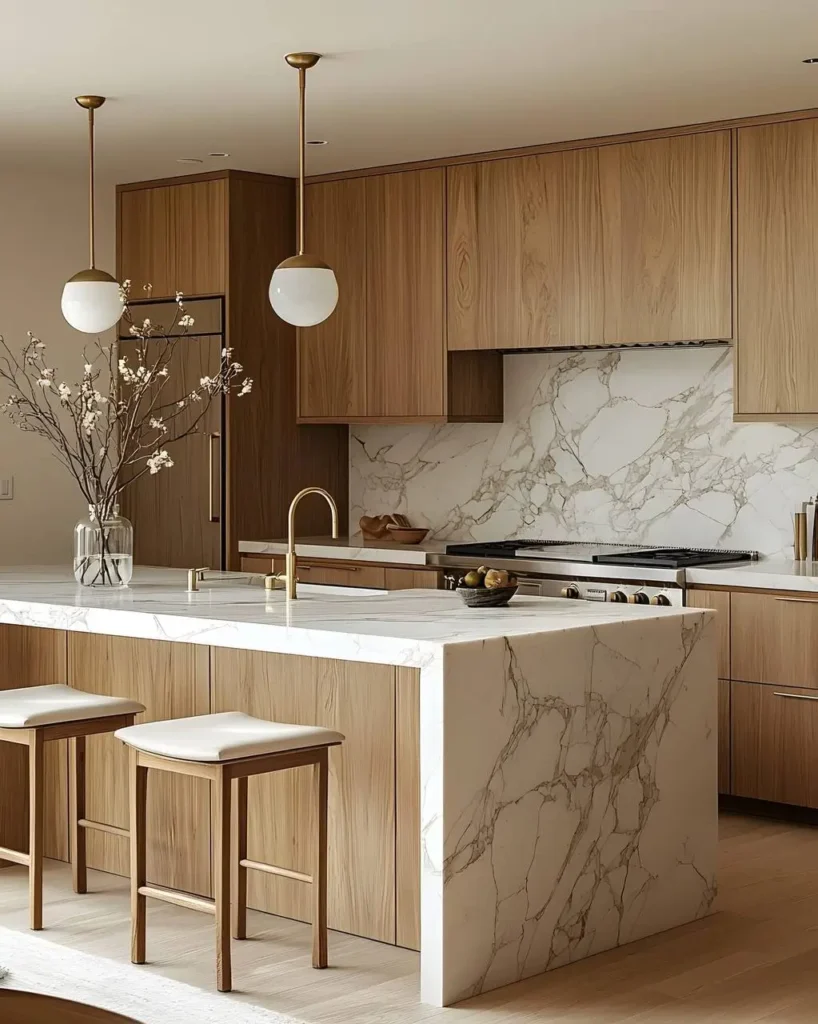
[32, 716]
[227, 749]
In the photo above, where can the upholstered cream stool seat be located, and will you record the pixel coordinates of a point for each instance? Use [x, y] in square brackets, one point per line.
[32, 716]
[227, 749]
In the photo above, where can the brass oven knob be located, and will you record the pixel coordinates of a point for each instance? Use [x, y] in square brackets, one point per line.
[618, 596]
[638, 598]
[662, 599]
[570, 591]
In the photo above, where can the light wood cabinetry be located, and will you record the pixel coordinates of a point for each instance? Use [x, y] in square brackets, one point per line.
[359, 701]
[338, 572]
[407, 808]
[222, 234]
[774, 739]
[607, 245]
[777, 266]
[33, 657]
[172, 236]
[775, 639]
[724, 739]
[332, 373]
[719, 602]
[172, 681]
[360, 574]
[382, 355]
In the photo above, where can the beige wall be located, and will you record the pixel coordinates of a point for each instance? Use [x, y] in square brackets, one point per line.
[43, 241]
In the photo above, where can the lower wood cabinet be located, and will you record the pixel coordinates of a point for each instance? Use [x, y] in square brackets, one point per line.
[774, 638]
[340, 573]
[724, 741]
[774, 739]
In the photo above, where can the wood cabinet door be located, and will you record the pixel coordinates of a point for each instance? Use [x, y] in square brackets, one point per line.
[341, 574]
[174, 238]
[777, 211]
[667, 239]
[524, 252]
[774, 739]
[412, 579]
[405, 333]
[774, 639]
[724, 741]
[719, 602]
[332, 355]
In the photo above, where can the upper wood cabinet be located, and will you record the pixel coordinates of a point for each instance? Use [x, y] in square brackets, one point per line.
[174, 237]
[382, 356]
[610, 245]
[777, 212]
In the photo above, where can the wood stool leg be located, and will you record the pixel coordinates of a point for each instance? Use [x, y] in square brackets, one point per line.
[221, 880]
[36, 824]
[240, 854]
[138, 813]
[319, 874]
[76, 811]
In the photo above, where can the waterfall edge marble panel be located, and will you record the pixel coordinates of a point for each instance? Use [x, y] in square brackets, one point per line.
[578, 797]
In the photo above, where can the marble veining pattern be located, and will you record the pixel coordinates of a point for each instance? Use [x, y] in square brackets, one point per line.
[631, 446]
[585, 816]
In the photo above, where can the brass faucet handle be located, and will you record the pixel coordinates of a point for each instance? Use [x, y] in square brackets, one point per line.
[271, 579]
[195, 577]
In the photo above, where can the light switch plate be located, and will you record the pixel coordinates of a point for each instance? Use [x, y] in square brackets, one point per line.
[6, 488]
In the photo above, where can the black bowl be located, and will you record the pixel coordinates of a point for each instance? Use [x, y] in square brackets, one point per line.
[487, 597]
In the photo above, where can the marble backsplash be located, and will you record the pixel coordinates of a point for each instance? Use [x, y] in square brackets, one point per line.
[637, 445]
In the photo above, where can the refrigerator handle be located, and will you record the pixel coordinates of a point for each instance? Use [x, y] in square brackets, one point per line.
[214, 516]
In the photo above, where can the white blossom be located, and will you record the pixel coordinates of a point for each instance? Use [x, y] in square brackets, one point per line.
[158, 460]
[65, 391]
[186, 320]
[88, 368]
[158, 423]
[246, 386]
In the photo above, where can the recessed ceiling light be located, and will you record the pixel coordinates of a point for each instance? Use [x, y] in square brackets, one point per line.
[317, 142]
[189, 160]
[810, 60]
[218, 156]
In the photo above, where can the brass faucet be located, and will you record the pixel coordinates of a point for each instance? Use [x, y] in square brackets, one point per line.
[290, 567]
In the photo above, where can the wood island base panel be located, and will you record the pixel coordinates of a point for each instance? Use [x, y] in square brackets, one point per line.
[533, 784]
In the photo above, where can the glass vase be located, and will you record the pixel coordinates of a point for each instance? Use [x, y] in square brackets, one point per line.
[103, 550]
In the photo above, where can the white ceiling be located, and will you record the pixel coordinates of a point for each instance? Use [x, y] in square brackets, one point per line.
[401, 80]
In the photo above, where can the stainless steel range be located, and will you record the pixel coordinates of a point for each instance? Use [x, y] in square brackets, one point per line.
[631, 573]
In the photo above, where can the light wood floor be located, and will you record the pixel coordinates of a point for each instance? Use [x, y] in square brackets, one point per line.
[756, 959]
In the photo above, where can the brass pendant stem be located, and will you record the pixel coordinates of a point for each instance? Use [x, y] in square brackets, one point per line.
[302, 144]
[91, 225]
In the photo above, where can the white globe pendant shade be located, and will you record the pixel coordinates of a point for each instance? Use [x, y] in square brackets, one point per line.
[303, 291]
[92, 301]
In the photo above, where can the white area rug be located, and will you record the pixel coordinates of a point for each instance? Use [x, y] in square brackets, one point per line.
[37, 965]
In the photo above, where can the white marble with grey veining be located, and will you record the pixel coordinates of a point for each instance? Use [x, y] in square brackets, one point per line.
[567, 750]
[628, 446]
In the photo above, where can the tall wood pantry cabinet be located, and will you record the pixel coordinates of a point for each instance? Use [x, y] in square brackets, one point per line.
[218, 237]
[382, 355]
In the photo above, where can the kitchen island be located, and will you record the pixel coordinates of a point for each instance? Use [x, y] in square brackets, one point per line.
[532, 784]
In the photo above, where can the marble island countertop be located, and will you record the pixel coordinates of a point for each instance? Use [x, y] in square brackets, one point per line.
[398, 627]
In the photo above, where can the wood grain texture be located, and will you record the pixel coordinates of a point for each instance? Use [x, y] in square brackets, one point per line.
[407, 808]
[359, 701]
[33, 657]
[171, 512]
[174, 237]
[724, 740]
[774, 639]
[474, 387]
[30, 1008]
[667, 239]
[405, 348]
[171, 680]
[719, 602]
[332, 355]
[269, 457]
[412, 579]
[776, 369]
[525, 253]
[360, 574]
[774, 740]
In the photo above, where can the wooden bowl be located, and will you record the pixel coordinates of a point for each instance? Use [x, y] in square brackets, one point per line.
[487, 597]
[406, 534]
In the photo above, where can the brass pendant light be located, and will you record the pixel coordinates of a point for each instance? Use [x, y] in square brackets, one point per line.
[303, 289]
[91, 300]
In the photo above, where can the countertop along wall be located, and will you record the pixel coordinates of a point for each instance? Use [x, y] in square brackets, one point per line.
[634, 445]
[43, 242]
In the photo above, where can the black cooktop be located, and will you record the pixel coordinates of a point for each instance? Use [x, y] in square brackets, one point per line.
[602, 554]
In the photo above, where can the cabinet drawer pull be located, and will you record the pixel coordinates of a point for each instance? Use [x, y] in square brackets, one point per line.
[794, 696]
[798, 600]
